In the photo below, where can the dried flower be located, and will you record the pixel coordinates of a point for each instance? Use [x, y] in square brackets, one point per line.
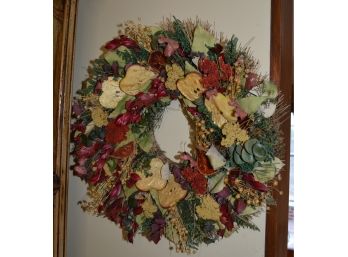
[99, 117]
[233, 134]
[211, 73]
[226, 69]
[115, 133]
[226, 217]
[149, 208]
[140, 33]
[197, 181]
[174, 73]
[208, 209]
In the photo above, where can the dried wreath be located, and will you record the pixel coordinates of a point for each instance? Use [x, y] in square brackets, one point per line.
[226, 178]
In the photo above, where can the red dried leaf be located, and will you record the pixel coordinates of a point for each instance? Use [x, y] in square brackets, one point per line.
[124, 151]
[121, 41]
[240, 205]
[255, 184]
[138, 210]
[127, 118]
[116, 190]
[251, 81]
[204, 165]
[226, 217]
[133, 178]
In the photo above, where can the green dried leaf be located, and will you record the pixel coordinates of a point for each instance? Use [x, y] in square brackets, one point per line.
[129, 191]
[189, 68]
[202, 40]
[270, 89]
[112, 56]
[154, 196]
[216, 183]
[145, 141]
[120, 108]
[251, 104]
[266, 171]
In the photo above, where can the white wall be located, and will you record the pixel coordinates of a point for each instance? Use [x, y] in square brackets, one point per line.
[89, 236]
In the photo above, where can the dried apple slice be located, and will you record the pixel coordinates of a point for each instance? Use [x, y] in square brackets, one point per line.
[222, 103]
[191, 86]
[154, 181]
[171, 194]
[136, 79]
[216, 116]
[111, 93]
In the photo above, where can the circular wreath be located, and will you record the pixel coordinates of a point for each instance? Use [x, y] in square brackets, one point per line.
[228, 175]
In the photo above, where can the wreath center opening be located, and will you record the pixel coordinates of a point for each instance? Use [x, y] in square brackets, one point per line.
[173, 134]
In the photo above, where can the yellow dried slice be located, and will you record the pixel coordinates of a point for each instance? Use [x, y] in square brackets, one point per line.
[191, 86]
[217, 117]
[136, 79]
[171, 194]
[111, 93]
[154, 181]
[208, 209]
[222, 103]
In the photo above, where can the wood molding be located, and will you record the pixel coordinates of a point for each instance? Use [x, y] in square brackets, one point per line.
[281, 72]
[64, 39]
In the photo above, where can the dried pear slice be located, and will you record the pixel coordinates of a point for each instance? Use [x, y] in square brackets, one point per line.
[136, 79]
[191, 86]
[222, 103]
[217, 117]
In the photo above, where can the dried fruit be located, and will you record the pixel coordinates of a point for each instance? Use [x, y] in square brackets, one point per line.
[191, 86]
[216, 116]
[174, 73]
[171, 194]
[154, 181]
[111, 93]
[209, 209]
[136, 79]
[222, 103]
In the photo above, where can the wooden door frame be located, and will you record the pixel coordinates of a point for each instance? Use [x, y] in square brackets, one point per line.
[62, 83]
[281, 72]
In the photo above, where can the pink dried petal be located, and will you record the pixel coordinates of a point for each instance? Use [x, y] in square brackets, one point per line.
[80, 171]
[186, 157]
[210, 93]
[240, 205]
[238, 110]
[171, 46]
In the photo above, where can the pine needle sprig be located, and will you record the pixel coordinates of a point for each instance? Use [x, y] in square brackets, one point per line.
[230, 52]
[181, 36]
[244, 222]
